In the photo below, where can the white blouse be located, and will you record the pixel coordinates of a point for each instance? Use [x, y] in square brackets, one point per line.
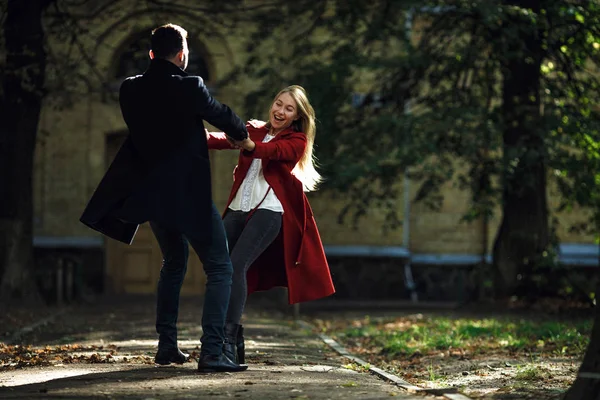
[253, 189]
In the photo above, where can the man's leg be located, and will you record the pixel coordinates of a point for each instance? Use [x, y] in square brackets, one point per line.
[218, 270]
[217, 266]
[174, 249]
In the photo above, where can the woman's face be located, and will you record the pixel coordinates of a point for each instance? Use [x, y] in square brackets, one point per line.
[283, 112]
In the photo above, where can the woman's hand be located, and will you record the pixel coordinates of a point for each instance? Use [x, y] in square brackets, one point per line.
[246, 144]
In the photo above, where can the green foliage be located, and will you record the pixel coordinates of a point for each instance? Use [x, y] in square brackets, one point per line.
[430, 77]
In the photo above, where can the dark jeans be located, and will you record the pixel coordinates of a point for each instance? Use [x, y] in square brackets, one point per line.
[247, 240]
[217, 266]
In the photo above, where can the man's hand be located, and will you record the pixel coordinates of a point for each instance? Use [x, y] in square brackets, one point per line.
[233, 143]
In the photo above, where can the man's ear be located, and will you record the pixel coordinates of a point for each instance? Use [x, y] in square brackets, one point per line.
[151, 54]
[180, 55]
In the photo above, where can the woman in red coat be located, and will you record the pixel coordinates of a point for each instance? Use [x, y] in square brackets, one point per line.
[273, 238]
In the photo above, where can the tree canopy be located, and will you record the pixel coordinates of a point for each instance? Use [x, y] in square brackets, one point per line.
[499, 97]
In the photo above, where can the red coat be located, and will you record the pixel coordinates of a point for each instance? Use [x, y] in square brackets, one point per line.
[295, 259]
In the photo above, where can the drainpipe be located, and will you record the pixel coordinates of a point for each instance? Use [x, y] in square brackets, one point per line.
[485, 243]
[410, 284]
[408, 276]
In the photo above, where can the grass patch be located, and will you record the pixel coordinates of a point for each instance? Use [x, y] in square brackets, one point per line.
[433, 376]
[529, 374]
[409, 335]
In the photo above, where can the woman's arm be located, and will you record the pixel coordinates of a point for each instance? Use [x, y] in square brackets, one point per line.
[218, 141]
[290, 148]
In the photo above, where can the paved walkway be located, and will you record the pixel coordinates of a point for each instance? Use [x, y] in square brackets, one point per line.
[105, 351]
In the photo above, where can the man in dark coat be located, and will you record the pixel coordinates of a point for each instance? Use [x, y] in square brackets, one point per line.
[161, 174]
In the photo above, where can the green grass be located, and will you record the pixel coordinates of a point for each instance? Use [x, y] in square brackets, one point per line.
[529, 374]
[403, 336]
[433, 377]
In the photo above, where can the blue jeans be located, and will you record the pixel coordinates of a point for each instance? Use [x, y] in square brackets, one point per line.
[217, 266]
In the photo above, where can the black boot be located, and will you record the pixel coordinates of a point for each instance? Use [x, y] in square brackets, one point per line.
[229, 347]
[218, 363]
[168, 356]
[239, 344]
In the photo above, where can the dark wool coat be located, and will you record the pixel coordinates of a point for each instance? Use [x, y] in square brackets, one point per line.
[296, 259]
[162, 171]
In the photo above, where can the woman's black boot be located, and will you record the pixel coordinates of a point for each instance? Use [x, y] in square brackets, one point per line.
[229, 347]
[239, 344]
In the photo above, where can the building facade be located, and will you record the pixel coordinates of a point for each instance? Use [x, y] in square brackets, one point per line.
[78, 140]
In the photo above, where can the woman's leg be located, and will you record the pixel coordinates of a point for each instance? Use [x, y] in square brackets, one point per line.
[260, 231]
[234, 223]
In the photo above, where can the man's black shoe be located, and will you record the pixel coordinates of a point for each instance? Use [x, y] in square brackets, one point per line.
[220, 363]
[168, 356]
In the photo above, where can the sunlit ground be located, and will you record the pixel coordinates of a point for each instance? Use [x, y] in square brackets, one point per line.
[285, 362]
[98, 348]
[480, 356]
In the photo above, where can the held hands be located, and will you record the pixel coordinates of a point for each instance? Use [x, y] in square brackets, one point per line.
[246, 144]
[232, 143]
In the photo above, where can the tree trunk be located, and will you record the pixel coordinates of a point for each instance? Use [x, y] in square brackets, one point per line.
[587, 384]
[524, 234]
[23, 85]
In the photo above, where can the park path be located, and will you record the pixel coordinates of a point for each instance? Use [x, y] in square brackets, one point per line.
[105, 351]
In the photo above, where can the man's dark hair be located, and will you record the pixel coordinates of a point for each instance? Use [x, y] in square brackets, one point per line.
[168, 40]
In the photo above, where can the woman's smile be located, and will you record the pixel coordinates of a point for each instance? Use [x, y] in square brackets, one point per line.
[283, 112]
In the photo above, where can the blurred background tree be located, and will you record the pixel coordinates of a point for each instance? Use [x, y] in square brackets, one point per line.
[499, 97]
[36, 74]
[23, 88]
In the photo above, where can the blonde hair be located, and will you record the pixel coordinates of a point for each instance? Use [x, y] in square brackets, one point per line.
[305, 169]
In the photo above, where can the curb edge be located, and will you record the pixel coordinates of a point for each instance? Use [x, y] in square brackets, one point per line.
[378, 371]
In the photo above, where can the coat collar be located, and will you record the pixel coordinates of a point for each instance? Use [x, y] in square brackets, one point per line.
[264, 130]
[159, 66]
[288, 131]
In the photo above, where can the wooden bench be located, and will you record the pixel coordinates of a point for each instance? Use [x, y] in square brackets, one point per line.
[64, 262]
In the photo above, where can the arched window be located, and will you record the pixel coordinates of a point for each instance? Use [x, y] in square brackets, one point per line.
[134, 59]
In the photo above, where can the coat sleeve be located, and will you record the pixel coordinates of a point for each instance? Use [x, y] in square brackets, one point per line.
[217, 141]
[215, 113]
[289, 149]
